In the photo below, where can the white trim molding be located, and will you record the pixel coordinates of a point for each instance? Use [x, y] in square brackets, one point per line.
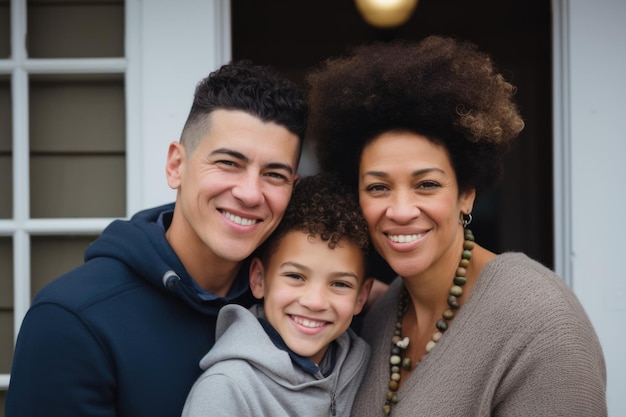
[561, 141]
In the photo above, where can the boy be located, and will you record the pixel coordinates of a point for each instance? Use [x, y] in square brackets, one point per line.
[295, 355]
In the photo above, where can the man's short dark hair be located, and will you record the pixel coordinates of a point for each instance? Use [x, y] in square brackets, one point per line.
[257, 90]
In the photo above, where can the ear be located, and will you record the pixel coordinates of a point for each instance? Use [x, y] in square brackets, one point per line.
[364, 293]
[256, 278]
[174, 166]
[466, 201]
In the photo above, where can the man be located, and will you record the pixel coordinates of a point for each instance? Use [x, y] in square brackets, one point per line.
[122, 334]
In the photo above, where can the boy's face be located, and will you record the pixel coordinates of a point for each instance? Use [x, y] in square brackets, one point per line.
[311, 292]
[232, 189]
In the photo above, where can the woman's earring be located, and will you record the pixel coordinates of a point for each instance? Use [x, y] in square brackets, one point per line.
[465, 219]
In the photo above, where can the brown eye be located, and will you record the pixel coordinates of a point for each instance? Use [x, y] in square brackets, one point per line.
[376, 187]
[341, 284]
[428, 184]
[277, 175]
[227, 163]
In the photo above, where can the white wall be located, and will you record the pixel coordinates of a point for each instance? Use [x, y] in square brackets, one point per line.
[597, 112]
[174, 46]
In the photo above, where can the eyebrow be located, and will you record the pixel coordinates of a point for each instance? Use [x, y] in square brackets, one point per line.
[242, 157]
[296, 265]
[416, 173]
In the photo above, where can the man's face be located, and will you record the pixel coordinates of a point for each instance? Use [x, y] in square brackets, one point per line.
[232, 189]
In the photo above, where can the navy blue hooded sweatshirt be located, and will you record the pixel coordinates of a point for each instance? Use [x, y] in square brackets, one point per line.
[121, 335]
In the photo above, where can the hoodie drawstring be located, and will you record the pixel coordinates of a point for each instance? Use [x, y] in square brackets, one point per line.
[169, 279]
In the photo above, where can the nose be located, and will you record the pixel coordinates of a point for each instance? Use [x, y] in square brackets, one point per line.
[314, 298]
[248, 190]
[403, 208]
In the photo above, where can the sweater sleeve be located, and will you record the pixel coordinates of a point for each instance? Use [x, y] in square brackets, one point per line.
[216, 395]
[560, 372]
[59, 368]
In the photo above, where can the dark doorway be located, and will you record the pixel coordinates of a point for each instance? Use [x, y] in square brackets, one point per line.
[294, 36]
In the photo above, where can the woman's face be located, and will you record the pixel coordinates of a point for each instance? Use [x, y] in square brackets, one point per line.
[410, 198]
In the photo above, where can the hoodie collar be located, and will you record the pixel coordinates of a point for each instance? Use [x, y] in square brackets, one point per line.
[326, 366]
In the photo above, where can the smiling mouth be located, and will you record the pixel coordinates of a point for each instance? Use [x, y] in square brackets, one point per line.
[237, 219]
[404, 238]
[307, 322]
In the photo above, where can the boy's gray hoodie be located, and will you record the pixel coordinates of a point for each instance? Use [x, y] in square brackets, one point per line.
[247, 375]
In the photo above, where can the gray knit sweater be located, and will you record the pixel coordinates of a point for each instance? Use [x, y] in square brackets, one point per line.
[522, 345]
[247, 375]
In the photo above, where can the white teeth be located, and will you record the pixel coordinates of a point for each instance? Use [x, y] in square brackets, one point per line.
[404, 238]
[308, 323]
[239, 220]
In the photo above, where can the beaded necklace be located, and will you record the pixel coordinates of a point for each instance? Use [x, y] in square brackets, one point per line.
[399, 344]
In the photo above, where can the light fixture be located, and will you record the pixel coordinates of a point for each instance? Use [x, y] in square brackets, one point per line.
[386, 13]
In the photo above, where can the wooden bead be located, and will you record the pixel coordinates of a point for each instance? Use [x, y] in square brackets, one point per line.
[430, 345]
[442, 325]
[453, 302]
[394, 385]
[460, 281]
[456, 291]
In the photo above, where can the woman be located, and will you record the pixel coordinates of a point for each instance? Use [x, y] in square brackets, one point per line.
[420, 130]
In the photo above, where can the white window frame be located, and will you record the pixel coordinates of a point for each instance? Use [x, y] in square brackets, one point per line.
[169, 47]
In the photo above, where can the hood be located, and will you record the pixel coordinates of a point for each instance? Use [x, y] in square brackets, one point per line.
[236, 328]
[244, 354]
[140, 244]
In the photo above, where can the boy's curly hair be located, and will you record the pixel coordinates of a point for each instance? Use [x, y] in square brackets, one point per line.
[323, 207]
[444, 89]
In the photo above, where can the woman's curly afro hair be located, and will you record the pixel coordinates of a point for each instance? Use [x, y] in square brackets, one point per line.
[442, 88]
[324, 208]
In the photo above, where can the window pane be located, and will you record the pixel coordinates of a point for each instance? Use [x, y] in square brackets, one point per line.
[77, 146]
[3, 401]
[51, 256]
[77, 186]
[6, 160]
[6, 305]
[6, 340]
[84, 113]
[6, 277]
[75, 28]
[5, 28]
